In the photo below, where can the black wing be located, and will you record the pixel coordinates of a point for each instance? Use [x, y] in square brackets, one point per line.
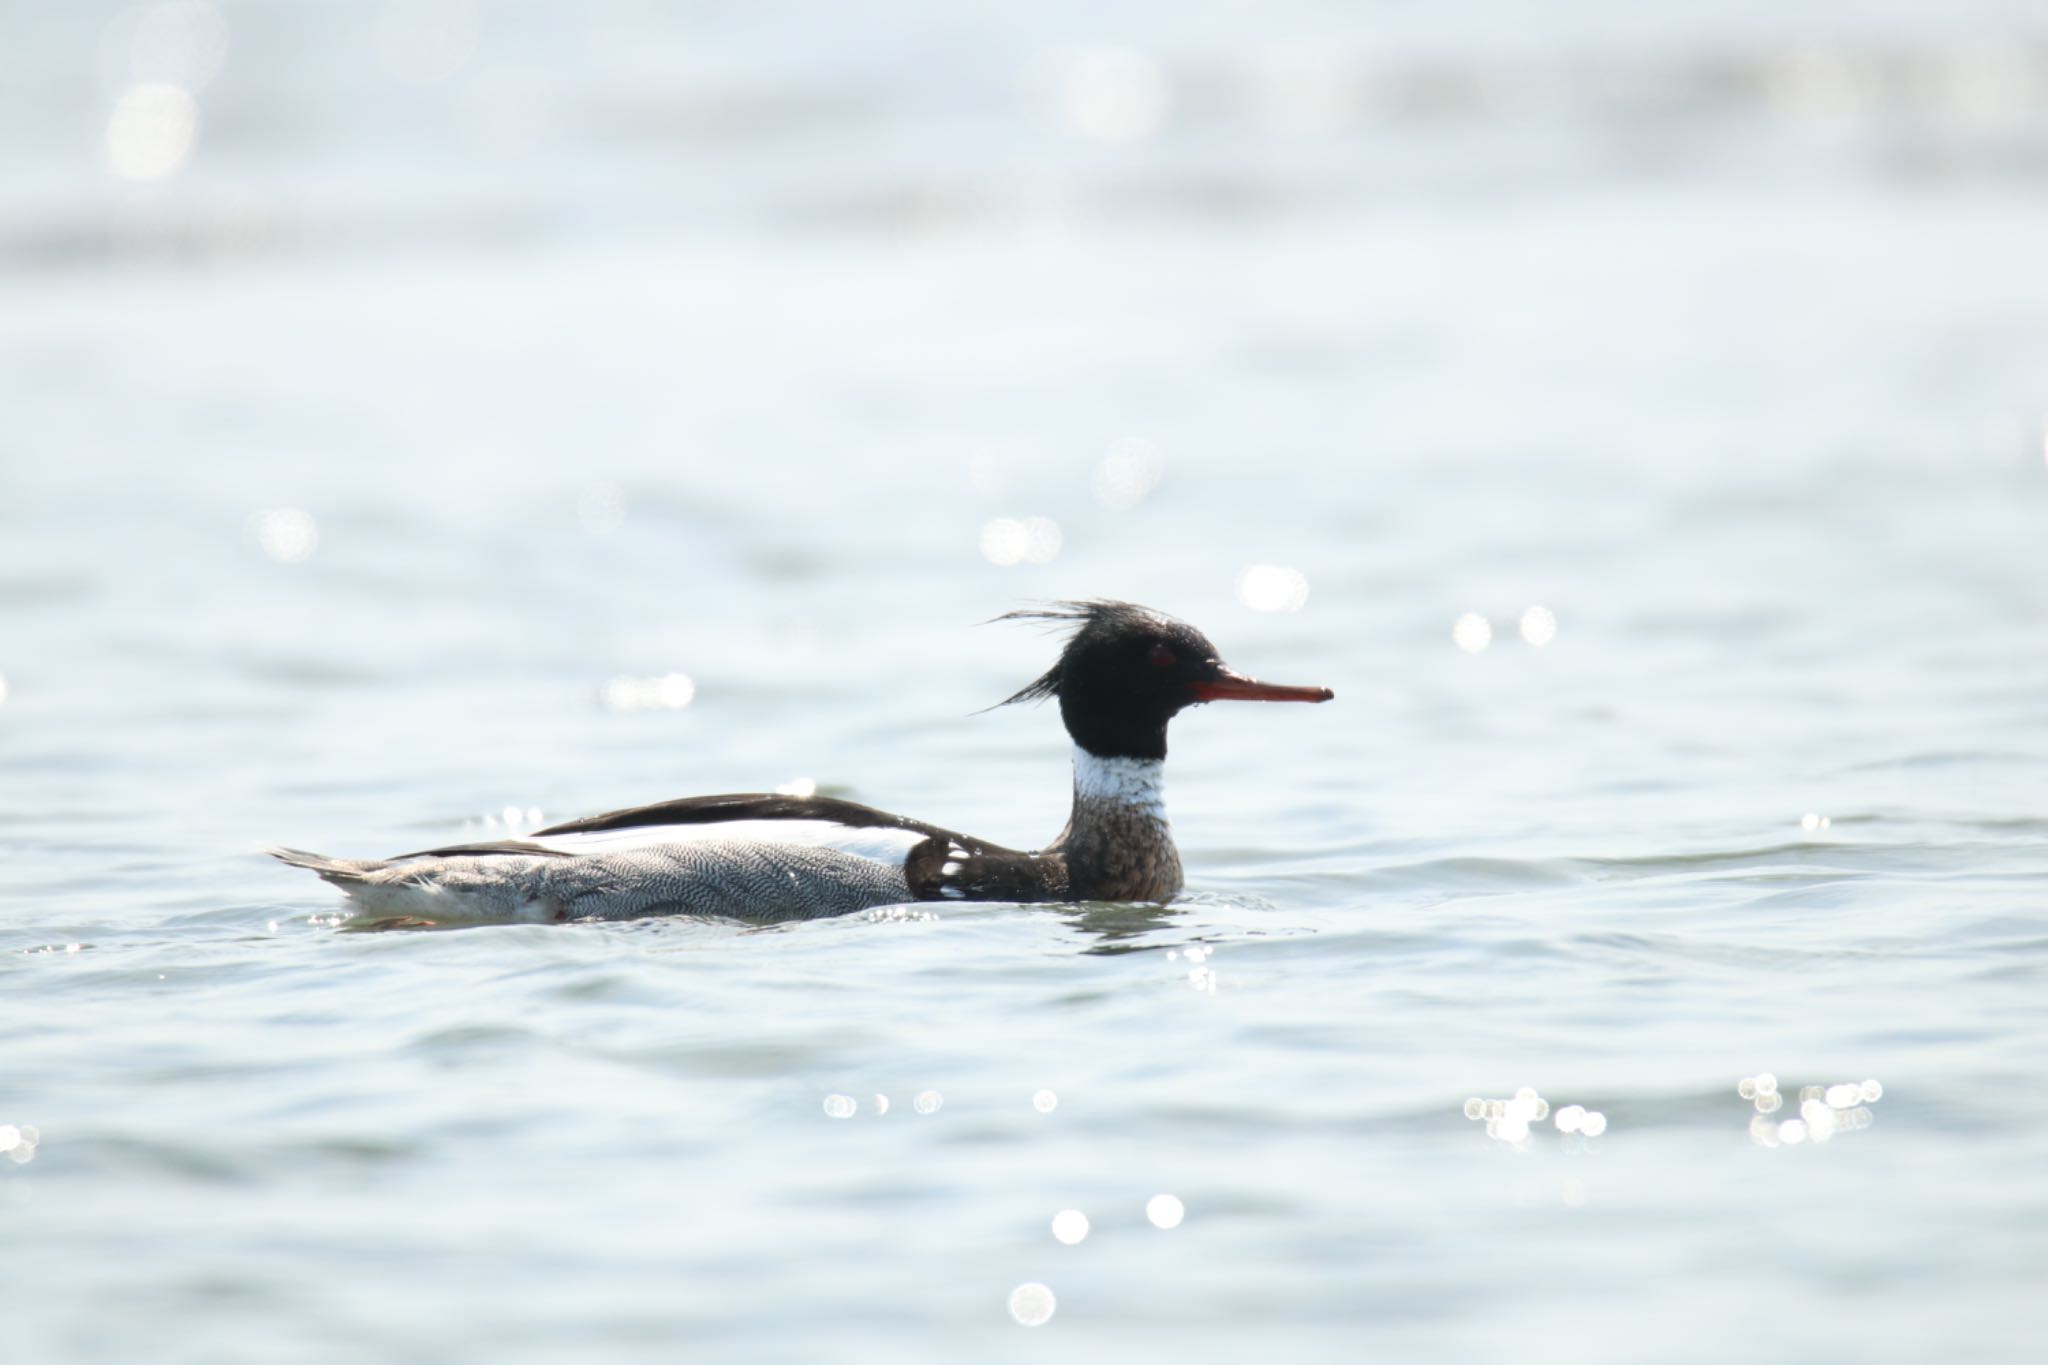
[708, 810]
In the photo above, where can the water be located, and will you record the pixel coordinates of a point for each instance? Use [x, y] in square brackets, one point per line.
[351, 466]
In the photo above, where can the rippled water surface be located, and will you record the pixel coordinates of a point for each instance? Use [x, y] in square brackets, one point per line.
[560, 409]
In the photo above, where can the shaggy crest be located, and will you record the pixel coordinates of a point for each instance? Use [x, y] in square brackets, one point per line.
[1081, 620]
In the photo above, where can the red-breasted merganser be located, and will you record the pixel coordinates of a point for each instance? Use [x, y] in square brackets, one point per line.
[1125, 672]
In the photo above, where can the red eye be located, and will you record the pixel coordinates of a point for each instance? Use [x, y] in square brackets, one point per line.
[1162, 657]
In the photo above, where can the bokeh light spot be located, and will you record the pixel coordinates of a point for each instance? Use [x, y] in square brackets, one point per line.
[1032, 1304]
[1824, 1111]
[1471, 633]
[1020, 540]
[841, 1106]
[1165, 1211]
[1272, 587]
[1539, 626]
[668, 692]
[1129, 471]
[152, 131]
[1070, 1226]
[18, 1142]
[928, 1102]
[287, 534]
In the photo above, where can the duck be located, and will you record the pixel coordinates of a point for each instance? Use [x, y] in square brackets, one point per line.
[1124, 672]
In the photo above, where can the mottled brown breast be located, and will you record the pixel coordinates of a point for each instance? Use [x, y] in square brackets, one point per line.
[1117, 852]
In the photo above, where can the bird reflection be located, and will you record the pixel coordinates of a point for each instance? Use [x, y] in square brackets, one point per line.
[1116, 923]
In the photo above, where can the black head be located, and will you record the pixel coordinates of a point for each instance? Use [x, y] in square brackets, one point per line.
[1127, 670]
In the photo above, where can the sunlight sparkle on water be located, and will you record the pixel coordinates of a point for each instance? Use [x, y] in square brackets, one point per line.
[1539, 626]
[841, 1106]
[1201, 978]
[1115, 94]
[669, 692]
[1070, 1226]
[1471, 633]
[514, 820]
[1032, 1304]
[152, 131]
[1128, 473]
[18, 1142]
[1045, 1101]
[1824, 1110]
[1512, 1121]
[1165, 1211]
[1020, 540]
[1811, 822]
[1272, 587]
[897, 914]
[928, 1102]
[288, 535]
[798, 786]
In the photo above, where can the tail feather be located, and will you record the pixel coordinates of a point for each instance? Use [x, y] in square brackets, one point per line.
[340, 871]
[433, 890]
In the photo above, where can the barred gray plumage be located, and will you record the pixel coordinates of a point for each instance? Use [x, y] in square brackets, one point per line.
[726, 879]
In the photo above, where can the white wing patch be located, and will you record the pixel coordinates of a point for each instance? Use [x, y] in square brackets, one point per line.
[882, 843]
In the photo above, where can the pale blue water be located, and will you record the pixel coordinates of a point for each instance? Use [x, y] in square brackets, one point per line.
[710, 343]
